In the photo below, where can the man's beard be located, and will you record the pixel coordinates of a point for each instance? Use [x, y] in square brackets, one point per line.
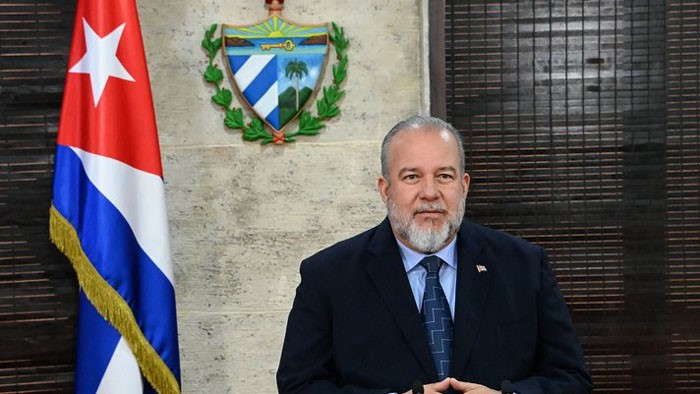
[428, 240]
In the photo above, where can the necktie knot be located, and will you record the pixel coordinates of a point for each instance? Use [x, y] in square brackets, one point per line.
[431, 264]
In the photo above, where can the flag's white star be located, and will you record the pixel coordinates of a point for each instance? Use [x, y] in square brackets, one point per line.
[100, 60]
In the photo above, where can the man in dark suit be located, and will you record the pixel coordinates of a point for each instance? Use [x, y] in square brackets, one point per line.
[427, 302]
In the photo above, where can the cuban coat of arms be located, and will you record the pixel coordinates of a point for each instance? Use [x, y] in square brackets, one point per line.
[276, 67]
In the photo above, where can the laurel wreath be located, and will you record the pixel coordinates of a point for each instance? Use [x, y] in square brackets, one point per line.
[326, 106]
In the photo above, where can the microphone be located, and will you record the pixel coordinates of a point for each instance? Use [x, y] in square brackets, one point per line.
[417, 387]
[507, 387]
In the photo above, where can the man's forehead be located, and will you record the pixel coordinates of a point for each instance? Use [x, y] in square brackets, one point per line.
[424, 150]
[413, 138]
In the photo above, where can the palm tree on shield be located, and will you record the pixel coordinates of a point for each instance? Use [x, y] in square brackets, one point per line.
[296, 69]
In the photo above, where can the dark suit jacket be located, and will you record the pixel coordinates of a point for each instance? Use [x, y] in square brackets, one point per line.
[355, 328]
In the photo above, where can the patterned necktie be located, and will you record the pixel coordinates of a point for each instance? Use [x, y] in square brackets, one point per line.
[436, 316]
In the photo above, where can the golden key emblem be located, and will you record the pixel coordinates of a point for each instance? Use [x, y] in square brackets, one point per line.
[287, 45]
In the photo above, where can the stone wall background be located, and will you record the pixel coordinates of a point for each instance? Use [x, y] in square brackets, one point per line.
[242, 215]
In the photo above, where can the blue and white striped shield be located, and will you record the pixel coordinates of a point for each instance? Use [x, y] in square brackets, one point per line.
[277, 66]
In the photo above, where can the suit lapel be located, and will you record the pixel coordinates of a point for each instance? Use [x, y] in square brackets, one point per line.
[389, 276]
[472, 291]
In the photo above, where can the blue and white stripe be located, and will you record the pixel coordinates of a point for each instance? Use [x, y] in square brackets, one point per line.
[256, 78]
[120, 216]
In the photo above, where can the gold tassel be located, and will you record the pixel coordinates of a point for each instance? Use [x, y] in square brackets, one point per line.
[111, 305]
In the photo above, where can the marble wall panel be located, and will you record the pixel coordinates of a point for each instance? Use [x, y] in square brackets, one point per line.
[230, 353]
[243, 221]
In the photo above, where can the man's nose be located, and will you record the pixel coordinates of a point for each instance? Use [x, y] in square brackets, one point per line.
[430, 190]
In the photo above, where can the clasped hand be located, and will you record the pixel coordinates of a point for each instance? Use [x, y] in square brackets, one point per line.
[459, 386]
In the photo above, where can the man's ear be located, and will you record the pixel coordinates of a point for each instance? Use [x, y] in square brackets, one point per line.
[465, 183]
[383, 187]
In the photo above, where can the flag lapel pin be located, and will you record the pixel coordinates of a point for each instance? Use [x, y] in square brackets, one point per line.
[481, 268]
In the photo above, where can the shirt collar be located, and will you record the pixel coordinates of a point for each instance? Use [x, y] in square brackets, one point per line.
[411, 258]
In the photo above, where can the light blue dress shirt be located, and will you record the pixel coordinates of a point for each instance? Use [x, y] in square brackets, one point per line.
[416, 273]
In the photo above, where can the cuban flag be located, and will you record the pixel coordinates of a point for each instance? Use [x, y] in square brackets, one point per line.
[108, 213]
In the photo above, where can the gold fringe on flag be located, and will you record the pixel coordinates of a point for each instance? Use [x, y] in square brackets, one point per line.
[111, 305]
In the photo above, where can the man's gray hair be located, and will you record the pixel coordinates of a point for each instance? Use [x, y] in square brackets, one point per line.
[426, 123]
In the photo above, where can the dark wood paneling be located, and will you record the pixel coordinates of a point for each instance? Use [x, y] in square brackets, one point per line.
[38, 290]
[581, 123]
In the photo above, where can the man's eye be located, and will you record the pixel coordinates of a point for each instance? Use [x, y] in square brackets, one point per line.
[445, 177]
[411, 177]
